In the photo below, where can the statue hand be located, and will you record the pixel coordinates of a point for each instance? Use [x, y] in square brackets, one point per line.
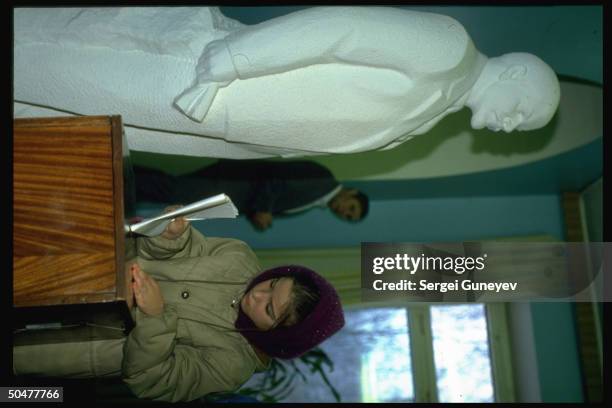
[215, 64]
[215, 70]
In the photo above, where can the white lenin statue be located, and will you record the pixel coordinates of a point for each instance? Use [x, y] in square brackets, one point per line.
[316, 81]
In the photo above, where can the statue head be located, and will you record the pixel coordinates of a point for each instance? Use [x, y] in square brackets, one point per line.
[515, 91]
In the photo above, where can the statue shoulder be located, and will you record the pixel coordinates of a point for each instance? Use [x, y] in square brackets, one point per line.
[444, 43]
[426, 42]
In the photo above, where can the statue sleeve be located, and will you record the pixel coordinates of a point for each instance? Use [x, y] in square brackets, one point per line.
[384, 37]
[411, 43]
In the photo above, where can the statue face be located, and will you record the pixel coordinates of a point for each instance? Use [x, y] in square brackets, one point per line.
[510, 106]
[523, 94]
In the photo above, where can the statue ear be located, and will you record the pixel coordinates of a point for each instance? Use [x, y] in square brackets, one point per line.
[513, 72]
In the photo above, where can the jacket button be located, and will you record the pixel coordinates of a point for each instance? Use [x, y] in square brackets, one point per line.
[185, 294]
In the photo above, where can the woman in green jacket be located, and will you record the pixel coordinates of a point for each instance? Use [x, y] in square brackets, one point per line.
[207, 318]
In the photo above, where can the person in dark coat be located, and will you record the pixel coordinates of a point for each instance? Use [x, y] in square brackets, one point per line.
[260, 189]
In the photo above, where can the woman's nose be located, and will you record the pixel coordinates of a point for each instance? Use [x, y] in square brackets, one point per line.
[261, 295]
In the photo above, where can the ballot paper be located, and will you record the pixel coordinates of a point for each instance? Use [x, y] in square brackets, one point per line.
[218, 206]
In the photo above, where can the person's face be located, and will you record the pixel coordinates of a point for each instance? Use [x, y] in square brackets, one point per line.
[267, 301]
[505, 107]
[346, 206]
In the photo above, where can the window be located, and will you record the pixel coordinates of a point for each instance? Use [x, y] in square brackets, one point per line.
[461, 353]
[445, 353]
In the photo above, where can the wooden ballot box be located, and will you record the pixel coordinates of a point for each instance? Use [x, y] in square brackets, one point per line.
[71, 256]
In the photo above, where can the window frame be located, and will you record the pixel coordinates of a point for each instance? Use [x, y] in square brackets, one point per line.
[423, 364]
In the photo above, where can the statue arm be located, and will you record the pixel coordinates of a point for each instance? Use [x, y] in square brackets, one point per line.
[353, 35]
[405, 41]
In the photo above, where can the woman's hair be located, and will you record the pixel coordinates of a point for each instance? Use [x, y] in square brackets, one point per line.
[304, 298]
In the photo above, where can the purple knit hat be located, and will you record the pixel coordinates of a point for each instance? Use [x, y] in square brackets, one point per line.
[324, 320]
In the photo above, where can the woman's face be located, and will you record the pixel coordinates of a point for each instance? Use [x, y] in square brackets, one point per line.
[267, 301]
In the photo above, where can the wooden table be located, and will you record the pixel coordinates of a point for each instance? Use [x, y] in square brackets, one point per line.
[71, 256]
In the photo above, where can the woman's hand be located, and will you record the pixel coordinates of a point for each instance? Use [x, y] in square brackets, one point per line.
[147, 293]
[176, 228]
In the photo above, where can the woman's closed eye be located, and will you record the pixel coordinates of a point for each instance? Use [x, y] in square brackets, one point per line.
[270, 311]
[269, 308]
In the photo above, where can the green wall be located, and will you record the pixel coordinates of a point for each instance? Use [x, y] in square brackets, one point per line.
[557, 352]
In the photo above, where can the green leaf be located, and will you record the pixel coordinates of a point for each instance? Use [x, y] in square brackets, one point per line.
[278, 381]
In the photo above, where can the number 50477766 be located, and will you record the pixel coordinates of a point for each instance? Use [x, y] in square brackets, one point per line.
[32, 394]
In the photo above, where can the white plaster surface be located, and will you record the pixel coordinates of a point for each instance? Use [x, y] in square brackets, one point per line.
[343, 88]
[322, 80]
